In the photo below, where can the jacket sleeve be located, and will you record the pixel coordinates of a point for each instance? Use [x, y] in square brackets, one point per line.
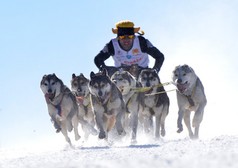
[103, 55]
[147, 47]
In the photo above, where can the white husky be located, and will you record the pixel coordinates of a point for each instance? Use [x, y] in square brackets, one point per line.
[190, 97]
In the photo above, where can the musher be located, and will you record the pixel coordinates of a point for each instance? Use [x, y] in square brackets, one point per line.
[128, 48]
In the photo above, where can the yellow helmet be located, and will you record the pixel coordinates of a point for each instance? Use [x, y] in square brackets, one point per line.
[126, 24]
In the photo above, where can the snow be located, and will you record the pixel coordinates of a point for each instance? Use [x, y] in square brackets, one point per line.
[221, 151]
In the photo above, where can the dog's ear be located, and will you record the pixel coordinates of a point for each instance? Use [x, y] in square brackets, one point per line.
[92, 74]
[104, 72]
[81, 74]
[54, 76]
[73, 76]
[187, 68]
[43, 78]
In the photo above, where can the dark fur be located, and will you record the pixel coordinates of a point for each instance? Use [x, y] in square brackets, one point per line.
[156, 105]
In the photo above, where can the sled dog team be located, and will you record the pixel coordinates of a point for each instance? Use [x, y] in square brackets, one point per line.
[129, 99]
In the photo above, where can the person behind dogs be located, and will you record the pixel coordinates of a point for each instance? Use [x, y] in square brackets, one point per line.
[128, 48]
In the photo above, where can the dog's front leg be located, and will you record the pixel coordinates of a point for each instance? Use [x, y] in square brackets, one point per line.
[134, 125]
[100, 124]
[65, 133]
[179, 121]
[56, 124]
[119, 127]
[157, 126]
[197, 119]
[187, 122]
[75, 126]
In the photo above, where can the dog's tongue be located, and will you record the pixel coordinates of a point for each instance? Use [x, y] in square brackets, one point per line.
[182, 87]
[80, 99]
[149, 90]
[121, 88]
[49, 96]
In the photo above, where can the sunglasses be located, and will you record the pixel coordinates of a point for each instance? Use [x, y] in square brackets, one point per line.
[125, 36]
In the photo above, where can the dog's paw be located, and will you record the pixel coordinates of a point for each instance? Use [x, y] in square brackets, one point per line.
[77, 137]
[133, 141]
[58, 130]
[94, 132]
[102, 135]
[122, 133]
[179, 130]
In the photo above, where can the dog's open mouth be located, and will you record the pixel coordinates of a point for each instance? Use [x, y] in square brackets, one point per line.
[50, 96]
[80, 99]
[148, 90]
[182, 87]
[121, 88]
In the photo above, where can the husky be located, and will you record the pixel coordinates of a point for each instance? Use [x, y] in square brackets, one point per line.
[62, 106]
[135, 70]
[190, 97]
[127, 84]
[108, 104]
[80, 88]
[156, 102]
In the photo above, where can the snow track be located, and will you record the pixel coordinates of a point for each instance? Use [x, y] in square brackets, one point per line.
[219, 152]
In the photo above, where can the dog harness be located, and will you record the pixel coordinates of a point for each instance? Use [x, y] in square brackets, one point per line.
[133, 56]
[57, 106]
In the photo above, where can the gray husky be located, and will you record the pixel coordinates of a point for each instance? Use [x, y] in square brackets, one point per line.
[190, 97]
[108, 104]
[127, 84]
[80, 88]
[62, 106]
[156, 102]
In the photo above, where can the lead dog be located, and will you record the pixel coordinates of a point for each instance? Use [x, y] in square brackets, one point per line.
[190, 97]
[62, 106]
[156, 102]
[127, 84]
[107, 102]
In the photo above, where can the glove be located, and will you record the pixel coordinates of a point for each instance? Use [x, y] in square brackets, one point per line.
[102, 67]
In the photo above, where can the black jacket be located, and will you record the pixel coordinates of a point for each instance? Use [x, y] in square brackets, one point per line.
[145, 45]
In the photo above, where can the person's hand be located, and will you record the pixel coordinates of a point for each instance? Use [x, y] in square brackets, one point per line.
[102, 67]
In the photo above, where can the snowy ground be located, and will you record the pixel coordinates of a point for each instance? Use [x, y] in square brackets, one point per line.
[221, 151]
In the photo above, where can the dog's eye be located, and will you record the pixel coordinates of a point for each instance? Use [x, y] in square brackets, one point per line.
[52, 83]
[184, 74]
[75, 84]
[45, 84]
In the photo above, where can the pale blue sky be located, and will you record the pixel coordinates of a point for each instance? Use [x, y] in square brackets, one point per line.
[63, 37]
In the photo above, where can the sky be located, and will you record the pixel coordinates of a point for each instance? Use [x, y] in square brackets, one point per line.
[44, 37]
